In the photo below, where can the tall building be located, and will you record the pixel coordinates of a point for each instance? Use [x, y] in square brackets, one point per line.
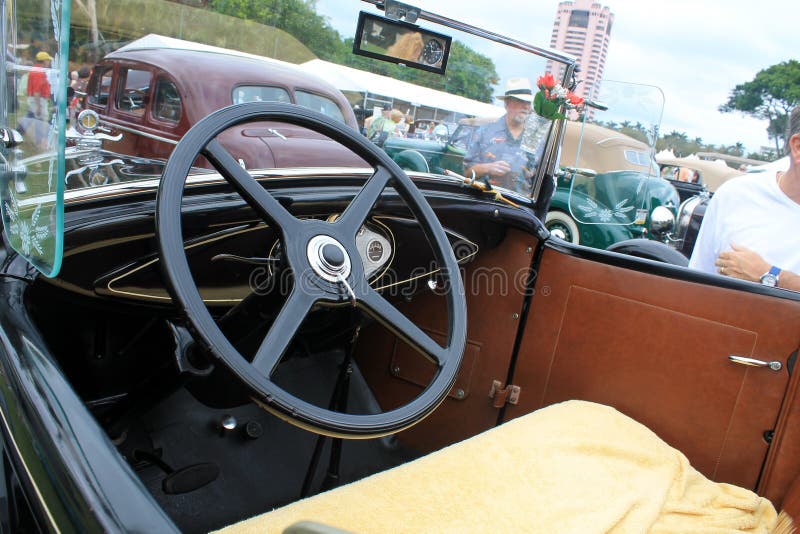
[583, 29]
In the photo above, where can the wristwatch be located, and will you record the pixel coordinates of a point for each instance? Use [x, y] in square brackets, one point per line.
[771, 277]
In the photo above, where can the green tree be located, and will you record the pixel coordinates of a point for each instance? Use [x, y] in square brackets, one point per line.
[296, 17]
[771, 95]
[469, 73]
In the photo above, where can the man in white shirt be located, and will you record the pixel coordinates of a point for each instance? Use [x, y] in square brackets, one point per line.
[751, 228]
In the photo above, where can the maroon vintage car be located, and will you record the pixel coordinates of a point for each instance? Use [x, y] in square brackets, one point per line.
[154, 89]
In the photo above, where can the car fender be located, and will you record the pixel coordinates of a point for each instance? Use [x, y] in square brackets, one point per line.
[411, 160]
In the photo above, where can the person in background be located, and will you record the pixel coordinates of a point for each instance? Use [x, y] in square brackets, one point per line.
[375, 123]
[749, 230]
[411, 128]
[495, 152]
[358, 111]
[39, 92]
[399, 125]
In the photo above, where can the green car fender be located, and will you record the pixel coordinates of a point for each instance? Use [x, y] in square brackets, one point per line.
[411, 160]
[590, 235]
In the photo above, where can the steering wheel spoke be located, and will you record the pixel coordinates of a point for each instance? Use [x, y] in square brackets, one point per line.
[400, 325]
[357, 212]
[251, 191]
[282, 331]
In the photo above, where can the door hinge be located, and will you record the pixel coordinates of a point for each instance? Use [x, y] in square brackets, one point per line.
[503, 395]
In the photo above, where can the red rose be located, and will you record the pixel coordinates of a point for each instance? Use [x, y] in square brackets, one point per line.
[546, 82]
[574, 99]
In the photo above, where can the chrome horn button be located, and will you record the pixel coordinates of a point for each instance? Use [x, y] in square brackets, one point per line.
[328, 258]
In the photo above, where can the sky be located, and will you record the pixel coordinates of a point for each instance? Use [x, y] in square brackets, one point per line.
[695, 52]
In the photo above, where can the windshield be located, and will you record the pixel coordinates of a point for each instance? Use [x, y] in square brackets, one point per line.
[127, 80]
[151, 69]
[616, 145]
[34, 113]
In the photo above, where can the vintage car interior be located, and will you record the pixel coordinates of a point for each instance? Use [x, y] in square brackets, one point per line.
[196, 343]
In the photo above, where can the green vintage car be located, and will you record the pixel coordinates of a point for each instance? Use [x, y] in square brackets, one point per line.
[613, 207]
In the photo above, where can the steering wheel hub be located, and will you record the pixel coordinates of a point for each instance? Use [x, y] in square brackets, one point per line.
[328, 258]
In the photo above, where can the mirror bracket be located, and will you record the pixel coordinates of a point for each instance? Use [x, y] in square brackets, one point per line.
[400, 11]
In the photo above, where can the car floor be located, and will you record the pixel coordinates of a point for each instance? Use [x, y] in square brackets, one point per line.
[255, 475]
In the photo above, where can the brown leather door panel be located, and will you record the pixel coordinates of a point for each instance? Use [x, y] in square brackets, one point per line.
[493, 284]
[657, 349]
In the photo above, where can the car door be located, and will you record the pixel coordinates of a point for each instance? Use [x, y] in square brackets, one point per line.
[703, 360]
[658, 342]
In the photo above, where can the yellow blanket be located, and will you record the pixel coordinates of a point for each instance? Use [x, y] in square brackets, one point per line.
[573, 467]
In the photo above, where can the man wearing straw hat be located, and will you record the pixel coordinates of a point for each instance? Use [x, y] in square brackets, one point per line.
[494, 153]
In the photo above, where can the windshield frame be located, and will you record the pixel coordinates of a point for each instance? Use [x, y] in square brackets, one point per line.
[552, 149]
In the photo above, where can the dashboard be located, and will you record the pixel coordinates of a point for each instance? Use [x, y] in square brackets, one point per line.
[111, 250]
[231, 263]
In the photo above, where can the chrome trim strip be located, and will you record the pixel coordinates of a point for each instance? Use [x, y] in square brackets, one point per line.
[123, 188]
[138, 132]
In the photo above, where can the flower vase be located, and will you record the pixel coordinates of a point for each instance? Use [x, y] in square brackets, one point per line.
[534, 137]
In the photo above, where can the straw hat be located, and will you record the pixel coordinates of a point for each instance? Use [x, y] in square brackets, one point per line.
[519, 88]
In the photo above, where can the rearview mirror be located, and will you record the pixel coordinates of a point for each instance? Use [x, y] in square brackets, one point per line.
[401, 43]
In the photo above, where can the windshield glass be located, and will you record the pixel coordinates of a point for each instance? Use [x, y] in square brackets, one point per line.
[617, 146]
[34, 114]
[151, 69]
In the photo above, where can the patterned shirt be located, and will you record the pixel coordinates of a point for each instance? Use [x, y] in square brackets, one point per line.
[494, 142]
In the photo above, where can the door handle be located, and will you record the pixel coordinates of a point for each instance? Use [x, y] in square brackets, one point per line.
[742, 360]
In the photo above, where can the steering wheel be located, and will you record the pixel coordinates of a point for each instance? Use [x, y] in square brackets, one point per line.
[326, 265]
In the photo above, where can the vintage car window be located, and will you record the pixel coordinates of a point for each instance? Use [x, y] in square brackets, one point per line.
[260, 93]
[324, 105]
[133, 91]
[167, 101]
[462, 136]
[100, 92]
[32, 190]
[638, 158]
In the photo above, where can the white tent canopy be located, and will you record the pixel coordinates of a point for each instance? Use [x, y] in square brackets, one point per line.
[350, 79]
